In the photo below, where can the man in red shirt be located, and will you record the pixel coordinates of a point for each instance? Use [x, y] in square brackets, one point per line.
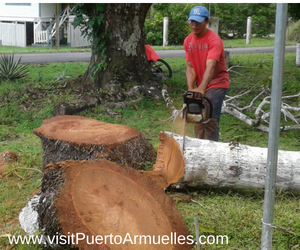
[206, 69]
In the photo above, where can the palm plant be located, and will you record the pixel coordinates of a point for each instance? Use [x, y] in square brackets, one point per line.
[293, 35]
[10, 69]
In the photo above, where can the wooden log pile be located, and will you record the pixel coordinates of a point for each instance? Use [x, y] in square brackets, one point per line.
[101, 198]
[91, 184]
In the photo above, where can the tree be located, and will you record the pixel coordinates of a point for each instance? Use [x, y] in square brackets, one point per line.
[234, 18]
[116, 32]
[178, 26]
[293, 34]
[294, 10]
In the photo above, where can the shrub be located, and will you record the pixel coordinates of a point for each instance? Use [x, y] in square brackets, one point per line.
[10, 69]
[293, 32]
[177, 13]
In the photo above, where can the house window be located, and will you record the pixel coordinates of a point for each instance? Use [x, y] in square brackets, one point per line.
[18, 4]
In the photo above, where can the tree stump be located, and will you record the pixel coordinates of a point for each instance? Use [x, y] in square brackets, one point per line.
[212, 164]
[79, 138]
[100, 198]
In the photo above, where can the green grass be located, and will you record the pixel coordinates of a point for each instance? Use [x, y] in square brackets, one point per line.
[33, 49]
[236, 214]
[255, 42]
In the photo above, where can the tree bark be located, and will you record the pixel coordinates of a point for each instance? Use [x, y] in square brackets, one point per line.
[79, 138]
[212, 164]
[124, 55]
[169, 166]
[100, 198]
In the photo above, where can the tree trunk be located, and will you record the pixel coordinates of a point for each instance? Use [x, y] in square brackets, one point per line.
[79, 138]
[122, 56]
[298, 54]
[97, 199]
[227, 165]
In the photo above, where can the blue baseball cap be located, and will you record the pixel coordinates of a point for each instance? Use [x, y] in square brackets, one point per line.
[198, 14]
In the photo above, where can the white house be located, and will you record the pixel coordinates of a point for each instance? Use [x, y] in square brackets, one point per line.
[25, 24]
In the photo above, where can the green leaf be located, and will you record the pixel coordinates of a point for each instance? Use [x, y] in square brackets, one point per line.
[100, 7]
[206, 229]
[11, 69]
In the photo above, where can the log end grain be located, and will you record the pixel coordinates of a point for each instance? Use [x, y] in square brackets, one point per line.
[80, 130]
[102, 198]
[80, 138]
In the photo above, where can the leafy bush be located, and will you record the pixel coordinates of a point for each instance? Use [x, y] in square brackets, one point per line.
[233, 18]
[293, 32]
[177, 13]
[10, 69]
[154, 29]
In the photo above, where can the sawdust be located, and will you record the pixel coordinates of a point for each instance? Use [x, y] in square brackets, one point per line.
[102, 198]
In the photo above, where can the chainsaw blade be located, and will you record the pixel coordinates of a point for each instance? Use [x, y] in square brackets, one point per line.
[184, 122]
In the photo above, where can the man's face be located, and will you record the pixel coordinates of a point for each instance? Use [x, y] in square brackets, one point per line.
[198, 28]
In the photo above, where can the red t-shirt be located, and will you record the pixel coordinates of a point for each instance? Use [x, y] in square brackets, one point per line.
[209, 46]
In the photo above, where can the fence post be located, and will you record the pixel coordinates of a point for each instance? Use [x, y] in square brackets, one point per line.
[57, 38]
[248, 35]
[165, 31]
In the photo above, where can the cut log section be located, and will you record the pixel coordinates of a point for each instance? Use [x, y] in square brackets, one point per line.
[79, 138]
[100, 198]
[227, 165]
[170, 163]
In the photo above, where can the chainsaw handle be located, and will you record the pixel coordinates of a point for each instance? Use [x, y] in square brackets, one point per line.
[193, 95]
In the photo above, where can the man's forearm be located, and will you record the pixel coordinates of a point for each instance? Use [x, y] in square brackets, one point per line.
[190, 78]
[207, 77]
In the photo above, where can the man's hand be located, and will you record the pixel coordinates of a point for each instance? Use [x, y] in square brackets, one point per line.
[198, 89]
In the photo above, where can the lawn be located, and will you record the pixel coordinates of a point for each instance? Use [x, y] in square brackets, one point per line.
[234, 213]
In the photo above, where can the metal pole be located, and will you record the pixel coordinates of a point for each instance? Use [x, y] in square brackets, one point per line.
[248, 34]
[166, 31]
[270, 186]
[197, 232]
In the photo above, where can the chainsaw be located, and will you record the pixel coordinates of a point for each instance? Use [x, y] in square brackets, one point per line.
[196, 109]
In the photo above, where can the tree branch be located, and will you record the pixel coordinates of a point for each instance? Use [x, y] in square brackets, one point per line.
[262, 113]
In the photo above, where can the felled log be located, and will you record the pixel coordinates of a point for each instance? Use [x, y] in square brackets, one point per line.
[79, 138]
[90, 199]
[170, 163]
[85, 102]
[227, 165]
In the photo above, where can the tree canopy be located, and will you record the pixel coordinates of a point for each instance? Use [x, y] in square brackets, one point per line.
[294, 10]
[233, 20]
[178, 26]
